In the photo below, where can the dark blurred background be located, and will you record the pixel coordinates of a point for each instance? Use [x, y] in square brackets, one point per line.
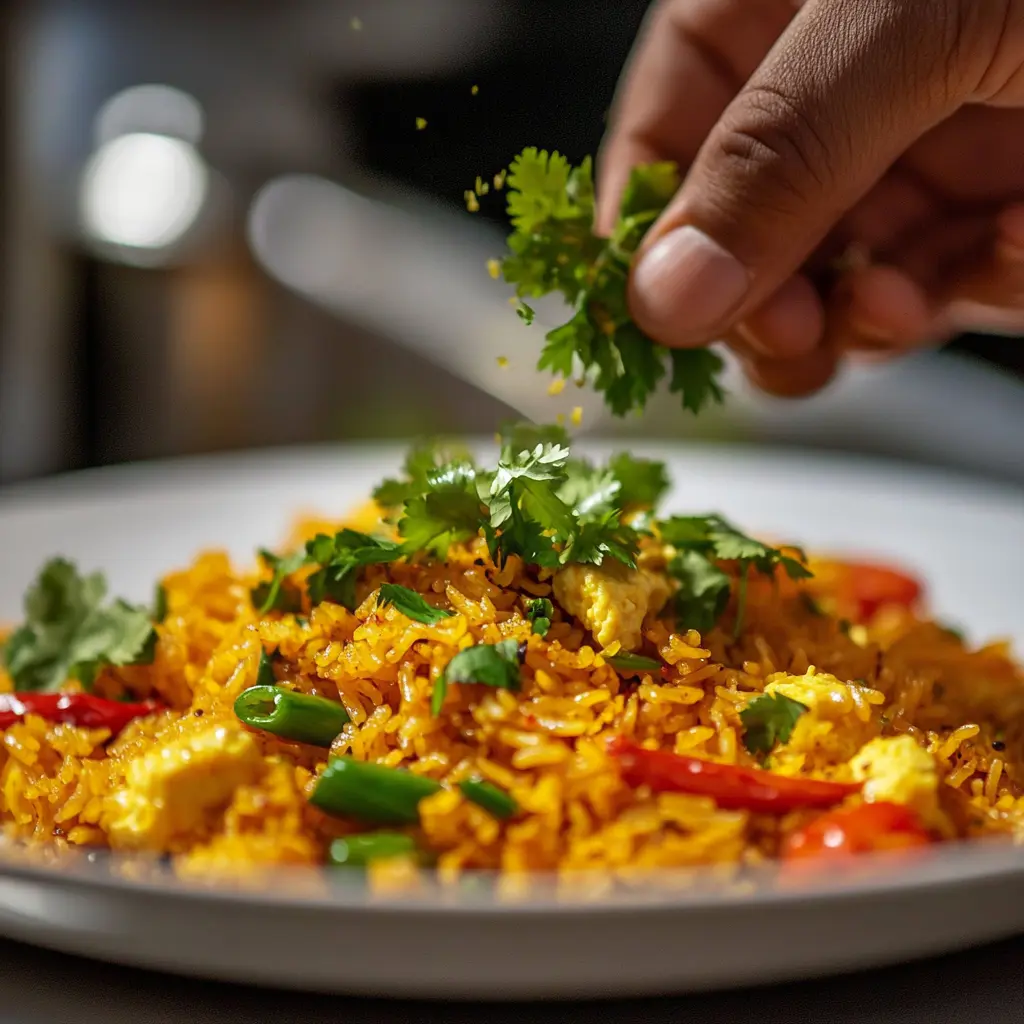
[222, 228]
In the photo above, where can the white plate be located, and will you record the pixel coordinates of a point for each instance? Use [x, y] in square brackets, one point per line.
[967, 539]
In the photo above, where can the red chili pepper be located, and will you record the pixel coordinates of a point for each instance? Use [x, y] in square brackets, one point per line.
[867, 828]
[81, 709]
[874, 586]
[731, 787]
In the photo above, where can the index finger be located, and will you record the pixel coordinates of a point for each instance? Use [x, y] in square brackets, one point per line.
[691, 58]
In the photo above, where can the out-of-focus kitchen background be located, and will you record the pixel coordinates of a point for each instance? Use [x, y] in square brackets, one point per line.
[236, 224]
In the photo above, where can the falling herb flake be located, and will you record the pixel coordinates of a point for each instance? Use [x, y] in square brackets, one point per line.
[421, 123]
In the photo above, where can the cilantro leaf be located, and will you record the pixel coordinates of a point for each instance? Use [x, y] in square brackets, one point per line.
[769, 719]
[703, 592]
[494, 665]
[340, 558]
[69, 634]
[410, 604]
[627, 662]
[539, 612]
[426, 464]
[274, 595]
[553, 248]
[433, 522]
[700, 542]
[642, 482]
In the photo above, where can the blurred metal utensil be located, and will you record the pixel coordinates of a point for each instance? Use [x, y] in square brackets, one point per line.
[418, 275]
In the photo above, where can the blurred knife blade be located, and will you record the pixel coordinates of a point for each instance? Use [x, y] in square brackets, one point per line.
[418, 275]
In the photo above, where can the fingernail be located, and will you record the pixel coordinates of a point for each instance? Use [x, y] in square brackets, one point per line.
[870, 336]
[686, 285]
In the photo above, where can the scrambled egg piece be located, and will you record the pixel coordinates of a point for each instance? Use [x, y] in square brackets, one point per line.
[838, 721]
[169, 791]
[897, 770]
[611, 600]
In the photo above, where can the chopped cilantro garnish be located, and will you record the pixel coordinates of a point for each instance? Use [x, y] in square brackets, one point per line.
[410, 604]
[68, 633]
[700, 542]
[539, 611]
[275, 595]
[487, 664]
[769, 719]
[553, 248]
[339, 559]
[633, 663]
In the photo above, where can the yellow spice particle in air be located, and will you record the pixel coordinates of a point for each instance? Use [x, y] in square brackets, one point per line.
[499, 180]
[421, 123]
[494, 268]
[577, 416]
[357, 24]
[557, 386]
[503, 362]
[472, 204]
[481, 187]
[475, 89]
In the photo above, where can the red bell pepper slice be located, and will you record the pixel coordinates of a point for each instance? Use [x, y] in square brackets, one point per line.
[81, 709]
[730, 786]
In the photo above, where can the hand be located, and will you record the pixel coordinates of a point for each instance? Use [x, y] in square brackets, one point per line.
[855, 182]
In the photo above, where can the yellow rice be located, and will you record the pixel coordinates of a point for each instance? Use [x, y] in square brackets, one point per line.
[898, 675]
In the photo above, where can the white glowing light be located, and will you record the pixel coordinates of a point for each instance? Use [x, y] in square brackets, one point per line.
[143, 190]
[161, 109]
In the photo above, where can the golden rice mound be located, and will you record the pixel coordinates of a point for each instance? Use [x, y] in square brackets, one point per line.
[193, 783]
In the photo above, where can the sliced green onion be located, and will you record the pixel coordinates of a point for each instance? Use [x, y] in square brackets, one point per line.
[358, 851]
[292, 716]
[371, 792]
[491, 798]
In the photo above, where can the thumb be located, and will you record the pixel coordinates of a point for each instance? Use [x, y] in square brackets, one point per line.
[845, 90]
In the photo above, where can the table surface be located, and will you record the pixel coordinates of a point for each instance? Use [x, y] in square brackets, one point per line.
[39, 987]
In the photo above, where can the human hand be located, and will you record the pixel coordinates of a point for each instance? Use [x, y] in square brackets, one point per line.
[855, 182]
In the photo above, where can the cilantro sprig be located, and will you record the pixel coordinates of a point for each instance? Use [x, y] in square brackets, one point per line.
[769, 719]
[69, 633]
[701, 543]
[412, 605]
[494, 665]
[553, 248]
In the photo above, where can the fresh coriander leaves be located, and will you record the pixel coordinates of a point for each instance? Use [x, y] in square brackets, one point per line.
[410, 604]
[704, 588]
[69, 633]
[339, 559]
[276, 595]
[769, 719]
[539, 612]
[494, 665]
[553, 248]
[627, 662]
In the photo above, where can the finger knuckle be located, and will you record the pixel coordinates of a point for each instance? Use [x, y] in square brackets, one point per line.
[773, 138]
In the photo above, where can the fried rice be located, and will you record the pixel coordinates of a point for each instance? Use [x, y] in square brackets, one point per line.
[193, 783]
